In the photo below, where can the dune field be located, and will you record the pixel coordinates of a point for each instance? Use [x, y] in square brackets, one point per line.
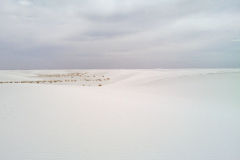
[151, 114]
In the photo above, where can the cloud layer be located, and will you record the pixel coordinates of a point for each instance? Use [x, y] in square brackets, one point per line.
[40, 34]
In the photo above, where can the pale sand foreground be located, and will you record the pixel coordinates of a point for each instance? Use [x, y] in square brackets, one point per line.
[187, 114]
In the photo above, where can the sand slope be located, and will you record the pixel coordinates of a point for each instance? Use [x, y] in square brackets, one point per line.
[188, 114]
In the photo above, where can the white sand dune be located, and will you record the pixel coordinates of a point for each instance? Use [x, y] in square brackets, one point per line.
[188, 114]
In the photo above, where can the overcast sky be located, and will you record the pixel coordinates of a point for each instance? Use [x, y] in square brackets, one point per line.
[55, 34]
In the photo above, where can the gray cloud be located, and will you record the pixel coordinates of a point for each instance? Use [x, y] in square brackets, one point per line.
[119, 34]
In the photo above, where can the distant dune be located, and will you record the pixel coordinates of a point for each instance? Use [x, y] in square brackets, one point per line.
[164, 114]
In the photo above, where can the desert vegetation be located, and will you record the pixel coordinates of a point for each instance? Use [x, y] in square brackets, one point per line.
[83, 79]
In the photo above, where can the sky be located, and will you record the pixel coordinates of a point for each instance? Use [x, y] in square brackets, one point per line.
[71, 34]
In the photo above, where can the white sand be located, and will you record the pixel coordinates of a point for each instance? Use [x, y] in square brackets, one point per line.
[187, 114]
